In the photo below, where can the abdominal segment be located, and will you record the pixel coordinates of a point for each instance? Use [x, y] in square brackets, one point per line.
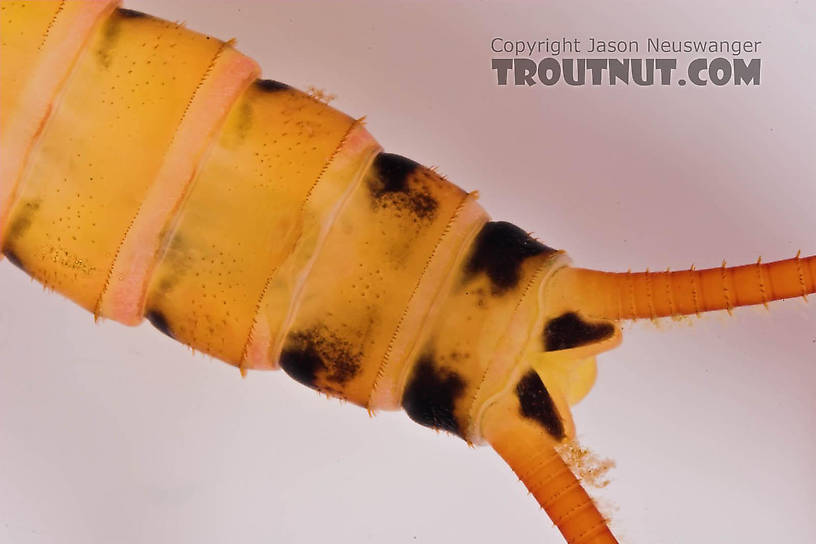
[255, 223]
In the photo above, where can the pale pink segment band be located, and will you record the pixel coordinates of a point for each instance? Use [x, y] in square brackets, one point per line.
[124, 293]
[424, 306]
[66, 37]
[341, 177]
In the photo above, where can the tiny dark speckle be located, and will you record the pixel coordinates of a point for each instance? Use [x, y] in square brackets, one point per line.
[430, 396]
[270, 85]
[131, 13]
[537, 404]
[499, 250]
[158, 320]
[14, 259]
[570, 331]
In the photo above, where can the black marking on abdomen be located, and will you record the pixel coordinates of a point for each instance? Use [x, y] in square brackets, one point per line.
[537, 404]
[430, 396]
[315, 354]
[498, 251]
[159, 320]
[394, 171]
[393, 182]
[570, 331]
[271, 86]
[131, 13]
[23, 220]
[110, 35]
[14, 259]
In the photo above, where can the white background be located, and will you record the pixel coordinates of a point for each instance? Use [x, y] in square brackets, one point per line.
[109, 434]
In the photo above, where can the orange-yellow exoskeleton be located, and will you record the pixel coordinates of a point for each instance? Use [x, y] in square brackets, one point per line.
[147, 171]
